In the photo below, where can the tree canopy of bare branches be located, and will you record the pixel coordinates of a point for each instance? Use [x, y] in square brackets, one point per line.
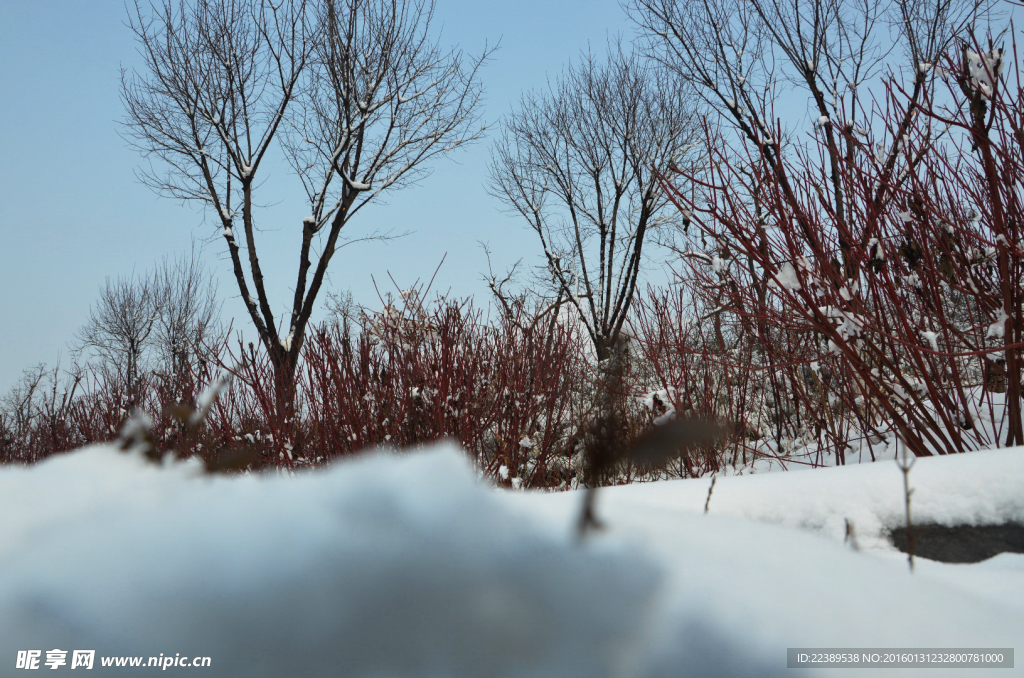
[159, 321]
[744, 56]
[357, 94]
[188, 315]
[580, 163]
[120, 325]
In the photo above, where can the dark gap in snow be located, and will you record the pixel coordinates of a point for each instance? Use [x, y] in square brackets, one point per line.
[961, 543]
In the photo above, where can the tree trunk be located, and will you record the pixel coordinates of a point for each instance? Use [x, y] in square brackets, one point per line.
[284, 415]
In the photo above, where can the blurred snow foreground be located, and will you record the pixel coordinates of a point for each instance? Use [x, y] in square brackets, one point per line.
[409, 565]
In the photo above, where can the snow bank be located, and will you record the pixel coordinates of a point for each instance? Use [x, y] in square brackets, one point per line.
[765, 587]
[410, 566]
[385, 566]
[979, 488]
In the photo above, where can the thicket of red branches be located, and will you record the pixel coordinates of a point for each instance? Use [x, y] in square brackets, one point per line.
[899, 317]
[515, 392]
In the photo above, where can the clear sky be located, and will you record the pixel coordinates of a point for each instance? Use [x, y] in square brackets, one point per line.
[72, 212]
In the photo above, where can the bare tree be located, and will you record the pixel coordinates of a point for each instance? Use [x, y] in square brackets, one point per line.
[342, 311]
[160, 321]
[120, 325]
[357, 94]
[19, 408]
[188, 317]
[580, 162]
[35, 413]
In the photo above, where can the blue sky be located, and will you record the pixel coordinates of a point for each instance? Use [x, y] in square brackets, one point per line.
[72, 212]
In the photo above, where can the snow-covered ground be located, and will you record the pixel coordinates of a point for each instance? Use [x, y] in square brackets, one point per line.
[986, 411]
[409, 565]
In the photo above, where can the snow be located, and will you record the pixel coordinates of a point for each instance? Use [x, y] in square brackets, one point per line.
[355, 185]
[384, 566]
[998, 329]
[979, 488]
[914, 280]
[984, 69]
[786, 277]
[660, 401]
[669, 415]
[410, 565]
[997, 579]
[847, 292]
[849, 324]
